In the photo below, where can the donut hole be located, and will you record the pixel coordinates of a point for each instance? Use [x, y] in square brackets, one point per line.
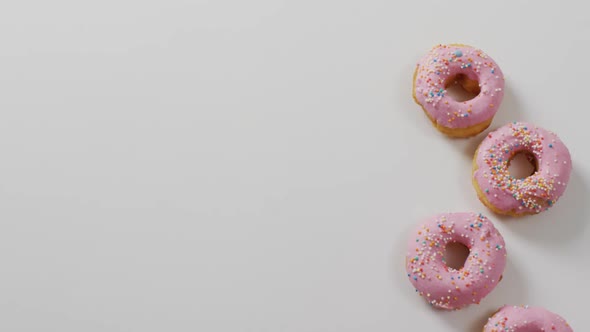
[456, 255]
[522, 165]
[461, 88]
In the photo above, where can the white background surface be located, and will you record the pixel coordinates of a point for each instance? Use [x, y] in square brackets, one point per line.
[257, 165]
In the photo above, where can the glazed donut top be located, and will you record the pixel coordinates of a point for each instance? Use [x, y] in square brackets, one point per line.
[534, 193]
[526, 319]
[444, 62]
[446, 287]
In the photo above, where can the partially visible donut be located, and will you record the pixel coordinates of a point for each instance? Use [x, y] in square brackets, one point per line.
[503, 193]
[475, 71]
[445, 287]
[526, 319]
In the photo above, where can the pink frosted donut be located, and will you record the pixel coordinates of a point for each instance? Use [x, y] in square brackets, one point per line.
[504, 194]
[475, 71]
[445, 287]
[526, 319]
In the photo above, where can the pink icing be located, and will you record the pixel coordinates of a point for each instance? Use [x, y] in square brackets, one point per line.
[447, 61]
[526, 319]
[535, 193]
[446, 287]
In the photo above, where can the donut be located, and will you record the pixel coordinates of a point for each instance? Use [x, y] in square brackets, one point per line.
[477, 73]
[445, 287]
[526, 319]
[505, 194]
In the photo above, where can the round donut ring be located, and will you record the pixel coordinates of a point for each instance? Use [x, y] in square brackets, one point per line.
[525, 319]
[445, 287]
[475, 71]
[504, 194]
